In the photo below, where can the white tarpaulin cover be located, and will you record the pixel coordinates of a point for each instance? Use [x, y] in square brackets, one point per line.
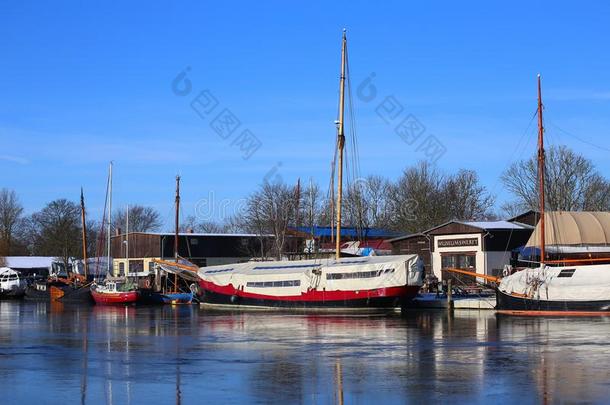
[578, 283]
[568, 228]
[285, 278]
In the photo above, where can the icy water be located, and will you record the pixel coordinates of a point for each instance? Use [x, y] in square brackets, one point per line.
[184, 354]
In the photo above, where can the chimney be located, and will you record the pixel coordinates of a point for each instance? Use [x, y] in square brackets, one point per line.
[117, 231]
[189, 230]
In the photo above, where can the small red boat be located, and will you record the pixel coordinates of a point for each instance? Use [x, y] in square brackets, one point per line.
[110, 294]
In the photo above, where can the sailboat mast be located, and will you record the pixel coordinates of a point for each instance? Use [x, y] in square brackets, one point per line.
[340, 144]
[541, 172]
[109, 264]
[127, 243]
[177, 219]
[332, 201]
[84, 235]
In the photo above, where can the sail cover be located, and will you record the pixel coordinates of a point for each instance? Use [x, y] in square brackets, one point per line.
[569, 228]
[183, 269]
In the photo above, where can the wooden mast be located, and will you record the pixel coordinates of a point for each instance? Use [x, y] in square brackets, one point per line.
[176, 229]
[541, 172]
[84, 235]
[109, 264]
[340, 144]
[127, 244]
[332, 202]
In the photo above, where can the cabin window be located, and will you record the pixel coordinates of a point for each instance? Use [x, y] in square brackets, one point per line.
[151, 267]
[265, 284]
[566, 273]
[218, 271]
[359, 274]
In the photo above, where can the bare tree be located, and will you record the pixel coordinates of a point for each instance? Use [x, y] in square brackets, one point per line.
[416, 199]
[270, 210]
[424, 197]
[311, 205]
[56, 231]
[10, 215]
[367, 203]
[141, 219]
[191, 223]
[465, 198]
[571, 183]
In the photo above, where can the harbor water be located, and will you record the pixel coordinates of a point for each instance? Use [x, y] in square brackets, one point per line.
[187, 354]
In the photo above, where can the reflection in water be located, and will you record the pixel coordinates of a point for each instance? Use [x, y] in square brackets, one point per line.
[184, 354]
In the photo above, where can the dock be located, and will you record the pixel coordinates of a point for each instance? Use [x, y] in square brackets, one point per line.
[434, 301]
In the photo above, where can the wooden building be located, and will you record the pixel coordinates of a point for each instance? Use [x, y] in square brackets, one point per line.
[417, 243]
[202, 249]
[480, 246]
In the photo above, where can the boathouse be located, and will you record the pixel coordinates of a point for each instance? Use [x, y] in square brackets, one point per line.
[480, 246]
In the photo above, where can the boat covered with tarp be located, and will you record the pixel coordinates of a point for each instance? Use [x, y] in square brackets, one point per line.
[575, 275]
[363, 282]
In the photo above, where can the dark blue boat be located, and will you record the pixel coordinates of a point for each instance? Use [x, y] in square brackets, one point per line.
[153, 297]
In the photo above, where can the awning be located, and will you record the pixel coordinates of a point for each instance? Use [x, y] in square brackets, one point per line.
[568, 228]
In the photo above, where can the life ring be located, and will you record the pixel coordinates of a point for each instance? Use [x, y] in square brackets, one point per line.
[147, 283]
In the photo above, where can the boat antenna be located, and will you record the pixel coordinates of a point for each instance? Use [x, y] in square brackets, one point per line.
[340, 144]
[541, 172]
[84, 229]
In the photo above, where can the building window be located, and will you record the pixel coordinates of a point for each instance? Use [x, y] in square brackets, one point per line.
[462, 261]
[136, 266]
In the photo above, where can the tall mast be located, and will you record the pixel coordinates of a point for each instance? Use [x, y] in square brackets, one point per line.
[340, 144]
[332, 201]
[84, 235]
[127, 243]
[177, 219]
[108, 264]
[177, 225]
[541, 172]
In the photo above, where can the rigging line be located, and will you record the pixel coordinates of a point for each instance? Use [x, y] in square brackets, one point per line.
[100, 245]
[579, 138]
[355, 155]
[516, 149]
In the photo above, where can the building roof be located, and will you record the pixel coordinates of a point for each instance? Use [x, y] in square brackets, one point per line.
[29, 262]
[240, 235]
[408, 236]
[350, 231]
[482, 225]
[492, 225]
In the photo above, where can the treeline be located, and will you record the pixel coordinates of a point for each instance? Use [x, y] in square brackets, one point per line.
[56, 230]
[423, 196]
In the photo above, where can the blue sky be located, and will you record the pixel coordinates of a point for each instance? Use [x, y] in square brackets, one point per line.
[83, 84]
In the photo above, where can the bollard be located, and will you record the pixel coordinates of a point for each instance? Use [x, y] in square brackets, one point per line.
[449, 296]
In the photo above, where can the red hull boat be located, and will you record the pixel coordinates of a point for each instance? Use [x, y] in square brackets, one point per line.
[109, 294]
[113, 298]
[358, 283]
